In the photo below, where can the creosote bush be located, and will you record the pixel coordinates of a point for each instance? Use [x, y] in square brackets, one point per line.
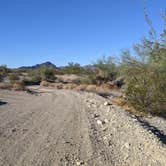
[41, 74]
[47, 74]
[105, 70]
[145, 78]
[72, 68]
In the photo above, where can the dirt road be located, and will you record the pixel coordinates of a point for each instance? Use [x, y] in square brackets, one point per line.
[52, 128]
[47, 129]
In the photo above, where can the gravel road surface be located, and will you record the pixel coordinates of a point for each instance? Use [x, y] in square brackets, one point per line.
[66, 128]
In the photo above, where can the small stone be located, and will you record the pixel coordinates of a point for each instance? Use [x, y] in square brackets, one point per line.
[79, 163]
[90, 101]
[106, 103]
[127, 145]
[89, 106]
[99, 122]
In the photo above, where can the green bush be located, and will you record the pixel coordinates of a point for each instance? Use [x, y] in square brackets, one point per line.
[84, 80]
[42, 74]
[105, 70]
[72, 68]
[47, 74]
[76, 81]
[35, 80]
[146, 91]
[145, 79]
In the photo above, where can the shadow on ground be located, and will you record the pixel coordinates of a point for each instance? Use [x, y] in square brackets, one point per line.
[2, 103]
[160, 134]
[109, 94]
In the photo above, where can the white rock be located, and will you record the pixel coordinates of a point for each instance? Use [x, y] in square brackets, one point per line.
[99, 122]
[79, 163]
[127, 145]
[89, 106]
[106, 103]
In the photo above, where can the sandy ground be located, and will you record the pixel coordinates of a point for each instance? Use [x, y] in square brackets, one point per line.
[48, 129]
[58, 128]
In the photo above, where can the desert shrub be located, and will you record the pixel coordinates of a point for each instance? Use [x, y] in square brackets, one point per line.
[76, 81]
[59, 86]
[87, 80]
[47, 74]
[35, 75]
[119, 82]
[145, 74]
[3, 72]
[91, 88]
[19, 86]
[41, 74]
[145, 78]
[70, 86]
[91, 78]
[72, 68]
[34, 80]
[81, 87]
[44, 83]
[14, 78]
[104, 71]
[1, 78]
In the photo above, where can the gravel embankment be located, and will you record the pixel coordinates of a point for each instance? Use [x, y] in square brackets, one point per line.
[131, 141]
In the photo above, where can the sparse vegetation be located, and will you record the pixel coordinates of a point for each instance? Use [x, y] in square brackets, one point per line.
[72, 68]
[14, 77]
[142, 75]
[145, 77]
[104, 70]
[19, 86]
[3, 72]
[47, 74]
[41, 74]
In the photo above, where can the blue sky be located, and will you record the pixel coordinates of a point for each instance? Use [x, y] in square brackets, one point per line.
[61, 31]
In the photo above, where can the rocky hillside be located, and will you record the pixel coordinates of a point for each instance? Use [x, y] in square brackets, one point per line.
[45, 64]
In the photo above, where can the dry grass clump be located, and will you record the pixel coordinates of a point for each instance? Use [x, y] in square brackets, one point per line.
[91, 88]
[45, 83]
[5, 85]
[58, 85]
[103, 88]
[19, 86]
[121, 102]
[71, 86]
[14, 78]
[81, 87]
[108, 86]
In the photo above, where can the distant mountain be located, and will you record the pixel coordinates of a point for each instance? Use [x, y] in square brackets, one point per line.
[45, 64]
